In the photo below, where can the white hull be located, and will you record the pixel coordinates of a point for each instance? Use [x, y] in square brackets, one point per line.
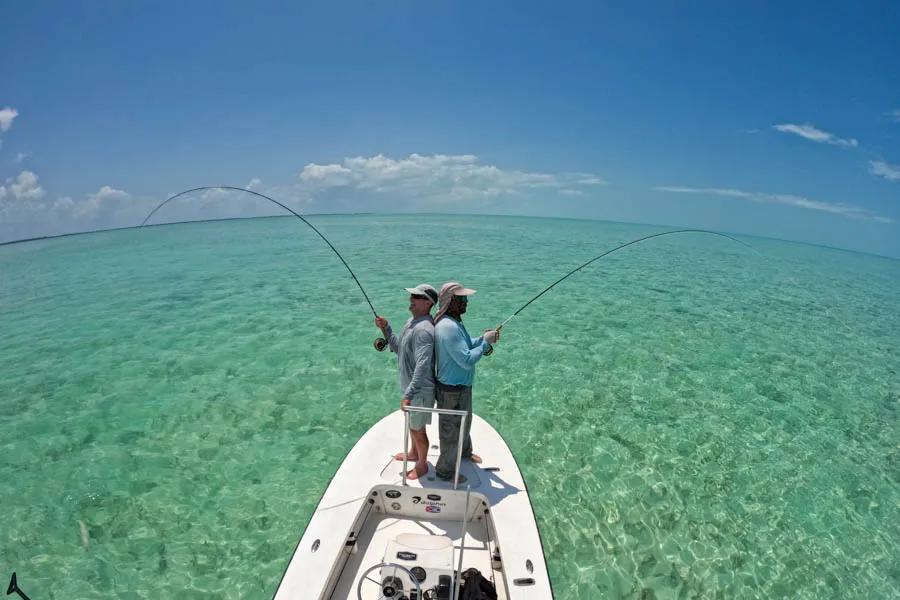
[365, 511]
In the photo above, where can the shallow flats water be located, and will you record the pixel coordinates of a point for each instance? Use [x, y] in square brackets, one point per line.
[692, 419]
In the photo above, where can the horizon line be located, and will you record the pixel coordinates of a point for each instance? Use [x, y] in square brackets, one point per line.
[352, 214]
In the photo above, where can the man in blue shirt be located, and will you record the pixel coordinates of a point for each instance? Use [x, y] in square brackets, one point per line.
[456, 354]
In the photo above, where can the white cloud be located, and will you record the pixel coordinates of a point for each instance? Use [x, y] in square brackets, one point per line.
[6, 118]
[20, 158]
[713, 191]
[587, 179]
[108, 193]
[215, 203]
[107, 207]
[882, 169]
[24, 186]
[20, 201]
[846, 210]
[64, 203]
[105, 199]
[436, 178]
[811, 133]
[355, 184]
[893, 115]
[337, 174]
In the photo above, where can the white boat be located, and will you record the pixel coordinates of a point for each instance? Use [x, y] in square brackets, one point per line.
[376, 535]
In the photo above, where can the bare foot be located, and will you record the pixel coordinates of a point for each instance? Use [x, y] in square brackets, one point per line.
[417, 472]
[410, 457]
[476, 459]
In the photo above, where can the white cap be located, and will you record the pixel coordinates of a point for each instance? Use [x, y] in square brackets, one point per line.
[423, 289]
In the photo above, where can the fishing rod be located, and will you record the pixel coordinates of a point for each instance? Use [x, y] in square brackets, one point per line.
[380, 343]
[607, 253]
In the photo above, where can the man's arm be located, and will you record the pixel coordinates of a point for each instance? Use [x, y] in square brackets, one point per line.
[423, 373]
[457, 348]
[392, 339]
[385, 327]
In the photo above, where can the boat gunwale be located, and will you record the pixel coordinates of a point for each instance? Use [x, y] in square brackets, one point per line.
[319, 504]
[362, 438]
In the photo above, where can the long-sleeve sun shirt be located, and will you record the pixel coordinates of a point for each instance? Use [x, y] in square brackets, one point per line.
[415, 353]
[456, 352]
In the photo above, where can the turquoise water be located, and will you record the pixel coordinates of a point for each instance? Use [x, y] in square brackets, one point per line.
[693, 420]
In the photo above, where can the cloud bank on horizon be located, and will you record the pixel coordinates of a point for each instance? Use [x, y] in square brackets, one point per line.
[438, 179]
[418, 182]
[436, 182]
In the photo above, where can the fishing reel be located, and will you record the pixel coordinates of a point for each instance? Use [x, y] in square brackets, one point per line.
[380, 344]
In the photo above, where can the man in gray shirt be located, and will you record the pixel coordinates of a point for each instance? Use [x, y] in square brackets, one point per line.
[415, 356]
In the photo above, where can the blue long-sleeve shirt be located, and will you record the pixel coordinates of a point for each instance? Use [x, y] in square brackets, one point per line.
[456, 352]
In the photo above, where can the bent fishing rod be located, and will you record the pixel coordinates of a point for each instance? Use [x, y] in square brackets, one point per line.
[607, 253]
[380, 343]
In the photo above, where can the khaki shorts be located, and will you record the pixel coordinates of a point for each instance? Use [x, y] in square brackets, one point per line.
[418, 420]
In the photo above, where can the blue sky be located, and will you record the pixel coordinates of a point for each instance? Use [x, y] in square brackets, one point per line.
[763, 119]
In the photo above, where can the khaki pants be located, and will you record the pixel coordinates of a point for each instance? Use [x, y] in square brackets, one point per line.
[460, 398]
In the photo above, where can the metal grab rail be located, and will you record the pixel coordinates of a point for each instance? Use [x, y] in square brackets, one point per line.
[441, 411]
[462, 545]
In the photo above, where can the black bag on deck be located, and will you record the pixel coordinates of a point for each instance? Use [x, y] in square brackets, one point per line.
[476, 587]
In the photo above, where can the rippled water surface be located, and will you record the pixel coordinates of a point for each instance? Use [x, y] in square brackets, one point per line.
[692, 419]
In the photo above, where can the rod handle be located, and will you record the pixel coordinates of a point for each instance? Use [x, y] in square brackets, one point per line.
[490, 350]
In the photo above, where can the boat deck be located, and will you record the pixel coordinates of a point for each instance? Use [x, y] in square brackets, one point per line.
[370, 466]
[474, 474]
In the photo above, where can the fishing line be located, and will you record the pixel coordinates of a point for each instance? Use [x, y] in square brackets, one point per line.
[378, 345]
[608, 252]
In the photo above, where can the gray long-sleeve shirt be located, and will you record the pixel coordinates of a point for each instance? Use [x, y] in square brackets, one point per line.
[415, 355]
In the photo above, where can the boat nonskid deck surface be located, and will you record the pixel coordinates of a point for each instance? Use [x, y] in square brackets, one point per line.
[367, 517]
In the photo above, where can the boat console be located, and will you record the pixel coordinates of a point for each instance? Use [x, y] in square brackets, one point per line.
[428, 558]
